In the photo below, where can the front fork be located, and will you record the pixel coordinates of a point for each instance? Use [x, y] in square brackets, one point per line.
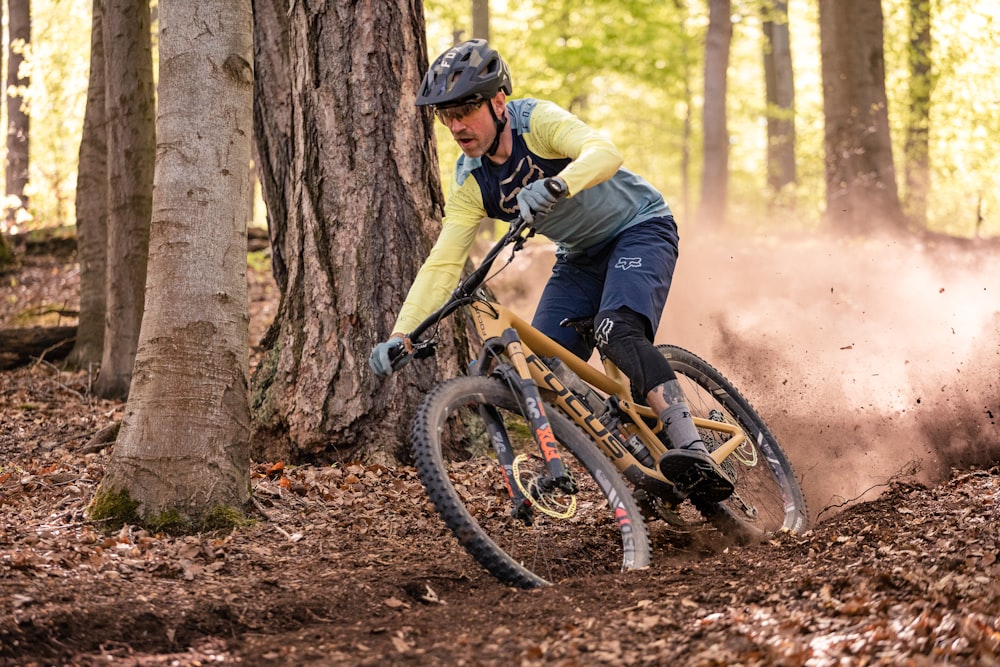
[518, 376]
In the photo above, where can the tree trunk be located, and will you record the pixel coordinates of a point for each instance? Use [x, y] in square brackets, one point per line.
[861, 189]
[92, 207]
[6, 254]
[917, 148]
[131, 153]
[481, 19]
[272, 120]
[780, 87]
[183, 447]
[715, 169]
[18, 121]
[351, 182]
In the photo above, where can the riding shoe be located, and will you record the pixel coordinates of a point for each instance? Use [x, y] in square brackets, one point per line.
[696, 473]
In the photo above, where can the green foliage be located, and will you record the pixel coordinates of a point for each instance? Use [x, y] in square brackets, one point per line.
[258, 260]
[58, 63]
[633, 68]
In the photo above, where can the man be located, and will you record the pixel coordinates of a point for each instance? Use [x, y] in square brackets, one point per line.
[616, 238]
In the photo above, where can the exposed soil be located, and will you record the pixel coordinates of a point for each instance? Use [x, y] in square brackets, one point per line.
[349, 565]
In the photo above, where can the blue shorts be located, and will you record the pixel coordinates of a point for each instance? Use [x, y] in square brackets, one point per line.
[632, 270]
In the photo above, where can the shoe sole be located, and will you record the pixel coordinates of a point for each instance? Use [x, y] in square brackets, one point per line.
[695, 476]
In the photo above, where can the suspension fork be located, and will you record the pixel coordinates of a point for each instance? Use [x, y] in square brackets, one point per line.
[518, 376]
[505, 456]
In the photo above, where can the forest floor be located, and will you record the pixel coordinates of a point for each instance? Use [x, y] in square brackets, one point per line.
[351, 566]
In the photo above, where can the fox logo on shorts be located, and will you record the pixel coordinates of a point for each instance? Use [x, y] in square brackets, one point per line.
[626, 263]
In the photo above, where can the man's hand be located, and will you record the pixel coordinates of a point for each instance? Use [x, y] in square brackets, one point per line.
[389, 356]
[535, 198]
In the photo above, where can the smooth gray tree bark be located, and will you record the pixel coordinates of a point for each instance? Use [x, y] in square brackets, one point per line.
[182, 452]
[92, 207]
[130, 116]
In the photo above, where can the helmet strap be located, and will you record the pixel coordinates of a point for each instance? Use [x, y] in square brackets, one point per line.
[500, 125]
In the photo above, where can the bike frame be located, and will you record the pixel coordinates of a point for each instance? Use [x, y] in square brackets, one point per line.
[524, 344]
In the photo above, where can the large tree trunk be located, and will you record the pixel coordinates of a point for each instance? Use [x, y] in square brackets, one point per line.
[183, 447]
[131, 153]
[917, 149]
[780, 89]
[351, 183]
[18, 121]
[715, 169]
[861, 189]
[92, 207]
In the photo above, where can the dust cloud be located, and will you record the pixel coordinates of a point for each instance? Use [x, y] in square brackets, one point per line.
[871, 360]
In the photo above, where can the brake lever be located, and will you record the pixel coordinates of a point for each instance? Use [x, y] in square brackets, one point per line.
[424, 349]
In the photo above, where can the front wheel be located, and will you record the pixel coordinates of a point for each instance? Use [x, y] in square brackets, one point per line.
[767, 498]
[599, 529]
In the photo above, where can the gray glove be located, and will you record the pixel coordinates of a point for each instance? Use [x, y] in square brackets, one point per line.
[535, 198]
[388, 356]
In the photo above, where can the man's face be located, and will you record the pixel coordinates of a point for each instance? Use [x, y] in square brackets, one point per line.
[471, 125]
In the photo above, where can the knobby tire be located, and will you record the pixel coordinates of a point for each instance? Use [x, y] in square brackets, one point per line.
[460, 473]
[768, 497]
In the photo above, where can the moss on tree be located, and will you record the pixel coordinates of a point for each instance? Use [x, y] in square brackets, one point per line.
[117, 508]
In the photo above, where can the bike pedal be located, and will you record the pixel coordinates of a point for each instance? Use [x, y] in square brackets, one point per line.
[695, 476]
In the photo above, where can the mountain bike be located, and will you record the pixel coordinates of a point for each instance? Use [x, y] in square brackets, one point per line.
[544, 467]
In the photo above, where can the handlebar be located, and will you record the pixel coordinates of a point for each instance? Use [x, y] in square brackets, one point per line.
[516, 235]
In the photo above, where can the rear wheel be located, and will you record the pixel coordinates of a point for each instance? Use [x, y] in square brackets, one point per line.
[598, 529]
[767, 496]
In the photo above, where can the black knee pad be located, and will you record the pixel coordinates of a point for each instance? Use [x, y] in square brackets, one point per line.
[624, 337]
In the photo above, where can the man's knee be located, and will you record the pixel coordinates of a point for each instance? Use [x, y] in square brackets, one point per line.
[623, 336]
[614, 328]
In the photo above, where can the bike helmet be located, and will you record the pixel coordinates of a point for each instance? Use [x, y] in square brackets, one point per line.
[464, 73]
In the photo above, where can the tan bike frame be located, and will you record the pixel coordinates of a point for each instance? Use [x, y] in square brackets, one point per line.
[493, 319]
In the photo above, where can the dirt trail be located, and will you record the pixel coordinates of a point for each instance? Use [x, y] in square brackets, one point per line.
[351, 566]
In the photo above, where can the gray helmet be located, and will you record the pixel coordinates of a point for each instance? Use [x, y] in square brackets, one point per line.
[464, 73]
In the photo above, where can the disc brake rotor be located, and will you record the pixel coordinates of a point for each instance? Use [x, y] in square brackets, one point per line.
[553, 502]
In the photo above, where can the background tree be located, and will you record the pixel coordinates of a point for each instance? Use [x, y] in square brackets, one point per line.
[860, 177]
[481, 19]
[18, 120]
[131, 154]
[182, 453]
[780, 89]
[92, 207]
[715, 166]
[6, 253]
[352, 186]
[917, 146]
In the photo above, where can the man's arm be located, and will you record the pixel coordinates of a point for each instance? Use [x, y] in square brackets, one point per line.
[441, 271]
[557, 133]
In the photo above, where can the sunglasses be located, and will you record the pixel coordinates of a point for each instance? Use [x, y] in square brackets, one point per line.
[449, 115]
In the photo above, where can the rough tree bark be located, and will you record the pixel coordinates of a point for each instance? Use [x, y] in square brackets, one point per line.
[92, 206]
[131, 139]
[861, 189]
[182, 453]
[350, 178]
